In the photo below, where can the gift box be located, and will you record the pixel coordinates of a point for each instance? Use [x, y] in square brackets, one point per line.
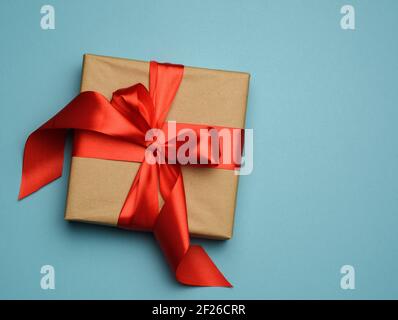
[186, 185]
[98, 187]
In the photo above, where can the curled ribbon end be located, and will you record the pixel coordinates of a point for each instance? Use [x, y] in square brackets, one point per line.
[29, 185]
[22, 193]
[197, 269]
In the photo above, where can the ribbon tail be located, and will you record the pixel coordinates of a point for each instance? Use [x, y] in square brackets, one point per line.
[197, 269]
[42, 161]
[191, 264]
[141, 206]
[44, 149]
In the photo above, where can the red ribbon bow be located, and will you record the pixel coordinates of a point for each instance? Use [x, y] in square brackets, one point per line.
[127, 117]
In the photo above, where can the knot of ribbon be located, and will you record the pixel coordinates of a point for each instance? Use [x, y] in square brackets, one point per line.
[126, 119]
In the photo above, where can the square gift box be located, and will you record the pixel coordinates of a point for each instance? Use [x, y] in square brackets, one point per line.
[98, 187]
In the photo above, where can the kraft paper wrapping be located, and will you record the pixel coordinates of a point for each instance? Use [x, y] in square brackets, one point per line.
[98, 188]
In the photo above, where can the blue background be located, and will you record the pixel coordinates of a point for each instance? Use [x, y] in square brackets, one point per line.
[323, 104]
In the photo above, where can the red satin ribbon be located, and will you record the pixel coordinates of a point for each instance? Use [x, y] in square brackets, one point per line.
[110, 129]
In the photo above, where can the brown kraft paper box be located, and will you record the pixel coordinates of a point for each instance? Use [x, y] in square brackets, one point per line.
[98, 188]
